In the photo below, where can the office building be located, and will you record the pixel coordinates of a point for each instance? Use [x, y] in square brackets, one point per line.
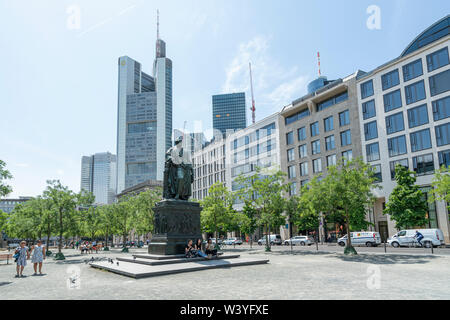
[144, 122]
[98, 175]
[404, 107]
[229, 112]
[193, 141]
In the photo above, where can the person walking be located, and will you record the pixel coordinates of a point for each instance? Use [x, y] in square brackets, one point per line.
[23, 256]
[38, 257]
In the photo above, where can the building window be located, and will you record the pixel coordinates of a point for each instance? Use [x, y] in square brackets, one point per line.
[392, 100]
[440, 83]
[393, 164]
[418, 116]
[328, 124]
[315, 147]
[301, 134]
[373, 152]
[444, 158]
[332, 101]
[377, 173]
[291, 172]
[291, 155]
[369, 110]
[437, 59]
[441, 109]
[370, 130]
[344, 118]
[347, 156]
[329, 143]
[395, 123]
[299, 115]
[314, 129]
[420, 140]
[290, 138]
[412, 70]
[304, 169]
[397, 146]
[317, 165]
[304, 183]
[293, 189]
[346, 138]
[415, 92]
[367, 89]
[142, 127]
[443, 134]
[331, 160]
[390, 79]
[302, 151]
[423, 165]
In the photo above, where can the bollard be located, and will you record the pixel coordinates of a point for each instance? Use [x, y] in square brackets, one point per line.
[385, 247]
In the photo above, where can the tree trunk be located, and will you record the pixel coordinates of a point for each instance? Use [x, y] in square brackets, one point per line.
[48, 236]
[60, 231]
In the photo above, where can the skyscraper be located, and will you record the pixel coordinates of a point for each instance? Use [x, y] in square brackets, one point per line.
[144, 121]
[229, 112]
[98, 175]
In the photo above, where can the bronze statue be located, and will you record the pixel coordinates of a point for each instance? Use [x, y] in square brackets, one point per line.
[178, 173]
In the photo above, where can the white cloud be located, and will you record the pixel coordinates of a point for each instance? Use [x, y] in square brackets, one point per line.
[274, 84]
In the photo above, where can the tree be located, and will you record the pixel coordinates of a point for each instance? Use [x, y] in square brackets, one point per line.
[106, 214]
[263, 191]
[249, 220]
[143, 204]
[217, 209]
[124, 219]
[345, 191]
[441, 186]
[25, 221]
[63, 203]
[406, 205]
[4, 175]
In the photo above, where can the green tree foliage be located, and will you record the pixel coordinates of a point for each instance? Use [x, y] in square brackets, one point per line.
[441, 186]
[406, 204]
[263, 191]
[63, 203]
[217, 214]
[249, 221]
[124, 217]
[143, 205]
[4, 175]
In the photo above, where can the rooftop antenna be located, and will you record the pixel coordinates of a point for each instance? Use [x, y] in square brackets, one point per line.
[157, 24]
[253, 109]
[318, 60]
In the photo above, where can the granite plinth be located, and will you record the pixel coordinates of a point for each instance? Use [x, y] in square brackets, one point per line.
[176, 222]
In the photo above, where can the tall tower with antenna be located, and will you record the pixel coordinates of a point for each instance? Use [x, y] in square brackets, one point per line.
[253, 108]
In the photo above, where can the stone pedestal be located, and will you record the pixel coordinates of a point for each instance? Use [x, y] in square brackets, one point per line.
[176, 222]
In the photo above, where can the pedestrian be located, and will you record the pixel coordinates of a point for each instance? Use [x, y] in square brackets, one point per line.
[21, 260]
[38, 256]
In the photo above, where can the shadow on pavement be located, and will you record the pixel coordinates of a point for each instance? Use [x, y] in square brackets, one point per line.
[295, 252]
[386, 259]
[4, 283]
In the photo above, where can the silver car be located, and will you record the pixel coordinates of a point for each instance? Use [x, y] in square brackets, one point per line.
[299, 240]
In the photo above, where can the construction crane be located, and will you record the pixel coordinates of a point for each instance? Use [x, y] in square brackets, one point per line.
[253, 109]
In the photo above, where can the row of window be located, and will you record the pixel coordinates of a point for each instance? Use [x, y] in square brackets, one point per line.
[411, 71]
[423, 164]
[254, 136]
[331, 160]
[344, 120]
[417, 116]
[420, 140]
[346, 140]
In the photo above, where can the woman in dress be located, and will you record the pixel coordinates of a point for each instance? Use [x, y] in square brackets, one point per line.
[38, 256]
[24, 255]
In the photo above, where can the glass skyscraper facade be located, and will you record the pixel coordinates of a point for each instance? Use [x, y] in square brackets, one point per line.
[144, 125]
[229, 112]
[98, 175]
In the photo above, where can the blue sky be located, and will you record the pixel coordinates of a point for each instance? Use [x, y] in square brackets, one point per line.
[58, 82]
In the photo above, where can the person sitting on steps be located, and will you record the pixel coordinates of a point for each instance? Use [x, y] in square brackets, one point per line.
[210, 249]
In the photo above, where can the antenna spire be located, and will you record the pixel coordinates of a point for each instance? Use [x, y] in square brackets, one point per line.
[318, 60]
[157, 24]
[253, 108]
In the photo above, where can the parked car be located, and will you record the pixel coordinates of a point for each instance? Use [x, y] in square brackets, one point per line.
[362, 238]
[405, 238]
[299, 240]
[232, 241]
[273, 238]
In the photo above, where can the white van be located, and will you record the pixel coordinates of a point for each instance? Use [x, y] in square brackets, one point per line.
[405, 238]
[273, 238]
[362, 238]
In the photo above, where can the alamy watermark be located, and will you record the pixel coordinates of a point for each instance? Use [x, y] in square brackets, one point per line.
[73, 280]
[374, 20]
[374, 277]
